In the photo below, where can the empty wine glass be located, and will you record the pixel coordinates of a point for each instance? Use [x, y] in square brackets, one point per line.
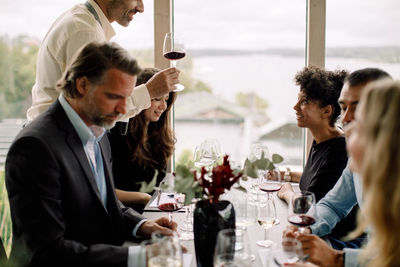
[302, 210]
[257, 150]
[170, 240]
[187, 227]
[173, 50]
[162, 251]
[229, 252]
[246, 212]
[291, 252]
[207, 153]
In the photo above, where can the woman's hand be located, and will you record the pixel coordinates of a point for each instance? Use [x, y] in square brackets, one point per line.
[286, 192]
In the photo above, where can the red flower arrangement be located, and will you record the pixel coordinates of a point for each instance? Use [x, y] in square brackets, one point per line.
[221, 179]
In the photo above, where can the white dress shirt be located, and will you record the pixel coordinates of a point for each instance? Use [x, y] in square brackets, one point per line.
[72, 30]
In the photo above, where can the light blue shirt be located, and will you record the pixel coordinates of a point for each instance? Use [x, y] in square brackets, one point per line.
[88, 136]
[336, 205]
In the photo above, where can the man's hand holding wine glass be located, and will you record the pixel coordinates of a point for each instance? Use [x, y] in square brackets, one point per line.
[163, 82]
[173, 50]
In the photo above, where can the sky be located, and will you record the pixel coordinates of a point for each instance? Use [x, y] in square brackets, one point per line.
[229, 24]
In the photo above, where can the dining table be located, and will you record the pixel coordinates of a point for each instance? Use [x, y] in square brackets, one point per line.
[262, 256]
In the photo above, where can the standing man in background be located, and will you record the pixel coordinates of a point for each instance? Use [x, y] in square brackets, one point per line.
[85, 23]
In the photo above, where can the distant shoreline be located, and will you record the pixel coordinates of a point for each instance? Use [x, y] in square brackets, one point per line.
[387, 54]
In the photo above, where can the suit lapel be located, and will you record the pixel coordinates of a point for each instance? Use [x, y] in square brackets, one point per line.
[75, 144]
[111, 195]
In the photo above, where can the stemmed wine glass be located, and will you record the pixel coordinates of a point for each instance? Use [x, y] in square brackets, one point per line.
[162, 250]
[187, 228]
[256, 152]
[173, 50]
[290, 252]
[207, 154]
[301, 210]
[167, 202]
[228, 249]
[267, 218]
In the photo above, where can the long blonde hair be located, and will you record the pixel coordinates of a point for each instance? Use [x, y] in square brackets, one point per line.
[380, 170]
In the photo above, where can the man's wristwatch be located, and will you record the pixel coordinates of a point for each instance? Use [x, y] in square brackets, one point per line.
[287, 176]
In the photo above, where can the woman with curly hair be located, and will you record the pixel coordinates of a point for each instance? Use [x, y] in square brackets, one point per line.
[317, 109]
[147, 146]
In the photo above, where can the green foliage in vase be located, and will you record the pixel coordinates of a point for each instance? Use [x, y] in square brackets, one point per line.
[251, 167]
[211, 184]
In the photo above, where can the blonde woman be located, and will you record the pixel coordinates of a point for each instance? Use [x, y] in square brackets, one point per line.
[374, 146]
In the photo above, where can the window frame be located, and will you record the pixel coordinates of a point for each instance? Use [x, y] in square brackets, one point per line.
[315, 46]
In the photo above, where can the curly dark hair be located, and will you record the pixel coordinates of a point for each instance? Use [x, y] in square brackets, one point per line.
[151, 144]
[322, 86]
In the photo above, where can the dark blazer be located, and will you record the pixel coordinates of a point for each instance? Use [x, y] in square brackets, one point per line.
[57, 214]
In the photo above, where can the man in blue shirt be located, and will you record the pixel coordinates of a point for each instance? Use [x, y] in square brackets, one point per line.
[347, 192]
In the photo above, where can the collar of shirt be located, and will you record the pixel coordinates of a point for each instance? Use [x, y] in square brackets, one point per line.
[109, 32]
[85, 133]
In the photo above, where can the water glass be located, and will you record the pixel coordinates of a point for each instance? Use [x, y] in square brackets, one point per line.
[291, 252]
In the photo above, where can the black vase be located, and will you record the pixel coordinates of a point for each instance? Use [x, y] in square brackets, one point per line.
[209, 219]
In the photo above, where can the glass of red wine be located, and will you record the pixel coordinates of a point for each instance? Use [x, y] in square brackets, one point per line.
[267, 216]
[173, 50]
[168, 202]
[302, 210]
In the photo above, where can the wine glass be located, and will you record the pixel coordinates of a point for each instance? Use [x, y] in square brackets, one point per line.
[167, 202]
[173, 50]
[256, 152]
[162, 252]
[170, 240]
[301, 210]
[266, 218]
[187, 228]
[272, 182]
[246, 212]
[228, 251]
[207, 153]
[291, 252]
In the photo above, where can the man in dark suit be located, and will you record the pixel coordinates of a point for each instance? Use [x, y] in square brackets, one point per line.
[58, 172]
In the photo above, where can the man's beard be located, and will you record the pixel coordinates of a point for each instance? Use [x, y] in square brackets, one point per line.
[114, 9]
[95, 116]
[103, 122]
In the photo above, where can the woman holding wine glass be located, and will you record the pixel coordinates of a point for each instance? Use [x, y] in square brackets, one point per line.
[317, 109]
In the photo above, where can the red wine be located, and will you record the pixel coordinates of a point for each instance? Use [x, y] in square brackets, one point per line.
[301, 220]
[169, 207]
[270, 187]
[174, 55]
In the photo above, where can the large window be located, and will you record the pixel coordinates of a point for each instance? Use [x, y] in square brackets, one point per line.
[362, 34]
[243, 57]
